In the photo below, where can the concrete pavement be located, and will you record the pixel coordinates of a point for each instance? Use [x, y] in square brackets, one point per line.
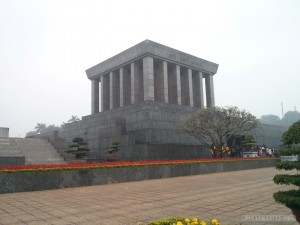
[226, 196]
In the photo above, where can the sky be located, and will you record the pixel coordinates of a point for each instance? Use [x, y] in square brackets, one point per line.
[46, 46]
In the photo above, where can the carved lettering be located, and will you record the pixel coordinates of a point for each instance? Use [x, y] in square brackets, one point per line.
[185, 59]
[198, 63]
[172, 56]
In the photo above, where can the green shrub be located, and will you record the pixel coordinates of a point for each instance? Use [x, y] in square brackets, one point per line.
[290, 198]
[78, 148]
[289, 151]
[115, 147]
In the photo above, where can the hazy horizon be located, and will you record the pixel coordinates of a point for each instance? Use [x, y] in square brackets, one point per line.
[46, 46]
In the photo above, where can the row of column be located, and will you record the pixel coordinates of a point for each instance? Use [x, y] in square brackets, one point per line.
[152, 79]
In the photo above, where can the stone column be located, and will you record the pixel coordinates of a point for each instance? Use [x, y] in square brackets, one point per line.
[95, 95]
[122, 88]
[209, 86]
[190, 88]
[165, 82]
[198, 89]
[111, 92]
[161, 92]
[148, 78]
[133, 83]
[114, 89]
[104, 92]
[178, 84]
[126, 85]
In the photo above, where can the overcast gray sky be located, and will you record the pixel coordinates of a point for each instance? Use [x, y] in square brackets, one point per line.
[46, 46]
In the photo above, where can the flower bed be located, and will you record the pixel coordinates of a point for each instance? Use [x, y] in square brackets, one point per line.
[43, 177]
[118, 164]
[183, 221]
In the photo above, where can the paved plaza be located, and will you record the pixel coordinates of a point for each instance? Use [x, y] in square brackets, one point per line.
[226, 196]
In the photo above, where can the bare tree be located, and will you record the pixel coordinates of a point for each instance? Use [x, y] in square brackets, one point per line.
[214, 126]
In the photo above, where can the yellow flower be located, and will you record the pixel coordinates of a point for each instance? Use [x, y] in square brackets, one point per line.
[203, 222]
[195, 219]
[187, 220]
[214, 222]
[179, 223]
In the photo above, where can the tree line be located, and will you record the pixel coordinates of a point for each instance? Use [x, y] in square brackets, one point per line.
[42, 128]
[287, 120]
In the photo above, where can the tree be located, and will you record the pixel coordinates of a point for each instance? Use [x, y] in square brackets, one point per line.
[290, 198]
[292, 135]
[40, 127]
[216, 125]
[270, 119]
[290, 117]
[78, 148]
[43, 128]
[249, 141]
[63, 125]
[31, 134]
[113, 149]
[51, 128]
[73, 119]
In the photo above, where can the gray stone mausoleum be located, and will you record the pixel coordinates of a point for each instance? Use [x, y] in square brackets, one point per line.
[138, 97]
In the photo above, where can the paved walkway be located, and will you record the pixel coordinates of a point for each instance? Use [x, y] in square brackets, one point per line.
[226, 196]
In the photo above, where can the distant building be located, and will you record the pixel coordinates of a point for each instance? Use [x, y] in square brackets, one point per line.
[4, 132]
[269, 135]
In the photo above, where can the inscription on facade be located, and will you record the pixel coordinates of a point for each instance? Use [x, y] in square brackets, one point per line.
[186, 59]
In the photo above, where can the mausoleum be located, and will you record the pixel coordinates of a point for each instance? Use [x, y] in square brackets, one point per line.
[150, 71]
[138, 97]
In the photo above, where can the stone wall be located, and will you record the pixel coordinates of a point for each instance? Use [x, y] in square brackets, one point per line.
[146, 131]
[35, 181]
[10, 160]
[4, 132]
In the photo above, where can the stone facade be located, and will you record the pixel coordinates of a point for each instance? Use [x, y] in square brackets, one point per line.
[145, 129]
[138, 98]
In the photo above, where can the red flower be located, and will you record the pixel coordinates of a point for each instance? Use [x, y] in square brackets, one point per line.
[70, 166]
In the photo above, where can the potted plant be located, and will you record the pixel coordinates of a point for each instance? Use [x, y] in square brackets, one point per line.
[290, 198]
[112, 152]
[78, 149]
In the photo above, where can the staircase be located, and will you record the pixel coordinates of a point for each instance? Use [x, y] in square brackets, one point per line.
[36, 151]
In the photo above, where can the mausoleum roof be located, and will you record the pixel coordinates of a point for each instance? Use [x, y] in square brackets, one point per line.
[156, 50]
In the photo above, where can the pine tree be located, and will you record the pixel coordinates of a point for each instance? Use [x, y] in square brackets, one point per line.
[78, 148]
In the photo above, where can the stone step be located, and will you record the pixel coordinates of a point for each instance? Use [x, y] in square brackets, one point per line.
[40, 161]
[51, 161]
[41, 148]
[36, 151]
[41, 152]
[9, 151]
